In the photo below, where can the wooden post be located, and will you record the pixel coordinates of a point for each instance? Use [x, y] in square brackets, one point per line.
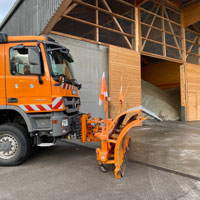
[184, 45]
[137, 30]
[163, 33]
[97, 21]
[199, 48]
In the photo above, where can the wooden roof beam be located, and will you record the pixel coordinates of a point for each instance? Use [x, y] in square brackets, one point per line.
[191, 14]
[175, 3]
[139, 2]
[187, 3]
[60, 11]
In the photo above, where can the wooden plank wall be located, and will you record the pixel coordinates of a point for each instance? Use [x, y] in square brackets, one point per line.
[192, 92]
[124, 63]
[182, 85]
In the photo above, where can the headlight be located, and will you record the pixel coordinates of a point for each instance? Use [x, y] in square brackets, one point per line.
[65, 122]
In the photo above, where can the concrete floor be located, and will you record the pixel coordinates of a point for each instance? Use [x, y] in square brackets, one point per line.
[170, 145]
[69, 171]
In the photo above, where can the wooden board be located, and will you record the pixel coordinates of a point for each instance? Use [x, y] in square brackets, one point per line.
[191, 14]
[182, 85]
[192, 92]
[124, 64]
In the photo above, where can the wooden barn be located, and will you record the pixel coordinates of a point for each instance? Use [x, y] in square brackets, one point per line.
[154, 40]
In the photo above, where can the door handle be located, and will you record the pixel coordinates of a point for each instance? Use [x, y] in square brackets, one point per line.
[12, 100]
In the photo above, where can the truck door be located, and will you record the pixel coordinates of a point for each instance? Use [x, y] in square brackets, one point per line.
[32, 93]
[2, 77]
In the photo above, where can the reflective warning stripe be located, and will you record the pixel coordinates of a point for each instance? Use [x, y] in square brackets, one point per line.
[57, 103]
[68, 86]
[33, 107]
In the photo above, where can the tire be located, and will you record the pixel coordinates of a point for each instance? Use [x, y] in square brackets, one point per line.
[15, 144]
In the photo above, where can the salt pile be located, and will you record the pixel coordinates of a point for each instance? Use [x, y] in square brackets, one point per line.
[165, 104]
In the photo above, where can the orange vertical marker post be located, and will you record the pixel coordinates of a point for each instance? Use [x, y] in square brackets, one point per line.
[104, 95]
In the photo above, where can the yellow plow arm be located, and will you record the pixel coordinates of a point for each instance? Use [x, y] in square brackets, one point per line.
[114, 137]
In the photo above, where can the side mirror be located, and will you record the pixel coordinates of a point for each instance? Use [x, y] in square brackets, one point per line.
[34, 60]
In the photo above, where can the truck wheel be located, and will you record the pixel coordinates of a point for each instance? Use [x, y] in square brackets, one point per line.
[15, 145]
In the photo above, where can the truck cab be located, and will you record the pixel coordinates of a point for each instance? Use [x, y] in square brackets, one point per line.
[39, 99]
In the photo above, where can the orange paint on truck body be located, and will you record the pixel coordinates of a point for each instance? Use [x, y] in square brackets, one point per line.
[30, 94]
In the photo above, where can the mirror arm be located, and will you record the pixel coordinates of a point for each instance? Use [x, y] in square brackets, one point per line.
[40, 79]
[57, 84]
[79, 86]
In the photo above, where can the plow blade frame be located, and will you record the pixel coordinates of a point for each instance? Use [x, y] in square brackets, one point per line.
[113, 135]
[122, 146]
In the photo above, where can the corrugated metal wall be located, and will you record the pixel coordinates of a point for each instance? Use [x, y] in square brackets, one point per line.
[31, 17]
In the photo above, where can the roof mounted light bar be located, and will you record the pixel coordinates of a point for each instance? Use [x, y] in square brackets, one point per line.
[3, 38]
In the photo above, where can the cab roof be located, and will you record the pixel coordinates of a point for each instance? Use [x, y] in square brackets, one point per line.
[4, 38]
[26, 38]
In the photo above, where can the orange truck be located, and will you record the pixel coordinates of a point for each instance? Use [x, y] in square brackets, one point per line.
[39, 103]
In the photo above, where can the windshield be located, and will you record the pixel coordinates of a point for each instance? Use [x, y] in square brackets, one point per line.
[59, 61]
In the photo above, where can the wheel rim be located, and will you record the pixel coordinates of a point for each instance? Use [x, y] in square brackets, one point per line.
[8, 146]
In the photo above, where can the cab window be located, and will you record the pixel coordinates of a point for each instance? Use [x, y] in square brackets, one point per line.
[19, 62]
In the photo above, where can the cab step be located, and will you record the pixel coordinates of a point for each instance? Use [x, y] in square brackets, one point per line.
[46, 144]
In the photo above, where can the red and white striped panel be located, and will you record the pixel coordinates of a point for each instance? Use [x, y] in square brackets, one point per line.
[33, 107]
[68, 86]
[57, 103]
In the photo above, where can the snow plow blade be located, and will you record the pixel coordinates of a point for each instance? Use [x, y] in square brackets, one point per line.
[114, 138]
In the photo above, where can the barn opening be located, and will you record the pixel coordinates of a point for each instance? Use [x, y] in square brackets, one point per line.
[160, 80]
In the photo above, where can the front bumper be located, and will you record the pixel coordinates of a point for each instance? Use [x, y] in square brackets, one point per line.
[63, 124]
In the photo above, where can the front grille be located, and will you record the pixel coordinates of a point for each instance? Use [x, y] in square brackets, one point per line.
[72, 104]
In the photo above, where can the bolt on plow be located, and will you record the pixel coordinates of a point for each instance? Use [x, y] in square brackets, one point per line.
[112, 133]
[114, 138]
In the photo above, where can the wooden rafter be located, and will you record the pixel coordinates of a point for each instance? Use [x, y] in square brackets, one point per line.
[62, 8]
[196, 27]
[168, 45]
[70, 8]
[150, 27]
[117, 23]
[191, 14]
[125, 3]
[96, 25]
[139, 2]
[175, 3]
[189, 2]
[192, 45]
[103, 10]
[166, 19]
[78, 38]
[172, 30]
[148, 14]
